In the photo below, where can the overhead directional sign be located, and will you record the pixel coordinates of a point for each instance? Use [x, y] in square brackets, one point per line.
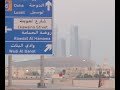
[28, 26]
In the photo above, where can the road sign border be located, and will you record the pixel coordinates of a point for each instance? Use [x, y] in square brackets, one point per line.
[52, 19]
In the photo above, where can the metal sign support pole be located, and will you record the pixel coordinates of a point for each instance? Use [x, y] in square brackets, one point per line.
[41, 84]
[9, 70]
[42, 72]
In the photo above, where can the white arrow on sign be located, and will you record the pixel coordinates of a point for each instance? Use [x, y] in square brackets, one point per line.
[48, 4]
[7, 29]
[48, 47]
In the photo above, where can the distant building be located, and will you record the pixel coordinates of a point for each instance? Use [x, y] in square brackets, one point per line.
[72, 66]
[61, 50]
[82, 47]
[59, 45]
[74, 41]
[55, 41]
[57, 62]
[85, 49]
[53, 65]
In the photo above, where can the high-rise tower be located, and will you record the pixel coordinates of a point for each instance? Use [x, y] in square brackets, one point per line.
[55, 41]
[61, 48]
[85, 49]
[74, 51]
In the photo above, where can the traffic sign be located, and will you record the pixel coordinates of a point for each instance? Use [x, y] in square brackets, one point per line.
[28, 26]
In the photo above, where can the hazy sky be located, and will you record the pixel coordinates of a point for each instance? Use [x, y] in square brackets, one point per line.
[96, 20]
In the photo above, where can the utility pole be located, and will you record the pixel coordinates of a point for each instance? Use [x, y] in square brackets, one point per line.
[9, 70]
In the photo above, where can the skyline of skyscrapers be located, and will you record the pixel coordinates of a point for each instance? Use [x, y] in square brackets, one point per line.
[78, 47]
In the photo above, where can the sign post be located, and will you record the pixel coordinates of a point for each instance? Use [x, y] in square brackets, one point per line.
[9, 70]
[42, 84]
[28, 28]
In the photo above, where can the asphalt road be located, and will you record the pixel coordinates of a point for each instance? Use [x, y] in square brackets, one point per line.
[32, 85]
[61, 89]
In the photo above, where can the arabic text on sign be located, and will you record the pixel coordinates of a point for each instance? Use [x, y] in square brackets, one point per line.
[25, 24]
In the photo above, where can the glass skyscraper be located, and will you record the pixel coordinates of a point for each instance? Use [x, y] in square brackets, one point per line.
[85, 49]
[74, 41]
[59, 46]
[79, 48]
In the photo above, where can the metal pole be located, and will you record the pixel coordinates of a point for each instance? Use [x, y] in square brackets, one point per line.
[100, 78]
[109, 73]
[17, 73]
[42, 85]
[9, 70]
